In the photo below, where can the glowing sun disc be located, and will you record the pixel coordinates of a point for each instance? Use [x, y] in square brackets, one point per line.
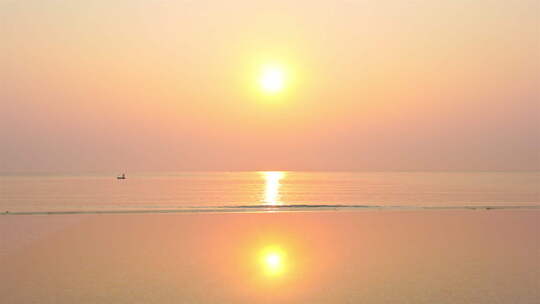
[272, 79]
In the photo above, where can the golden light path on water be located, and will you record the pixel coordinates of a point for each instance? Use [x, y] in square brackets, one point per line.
[272, 258]
[272, 184]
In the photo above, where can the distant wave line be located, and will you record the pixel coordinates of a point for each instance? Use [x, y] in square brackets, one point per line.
[270, 208]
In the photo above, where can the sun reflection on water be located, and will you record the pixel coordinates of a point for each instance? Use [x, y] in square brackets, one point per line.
[271, 194]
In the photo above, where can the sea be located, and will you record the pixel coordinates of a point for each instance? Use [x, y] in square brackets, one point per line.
[263, 191]
[270, 237]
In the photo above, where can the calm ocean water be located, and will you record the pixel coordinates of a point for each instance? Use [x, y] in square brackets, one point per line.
[42, 192]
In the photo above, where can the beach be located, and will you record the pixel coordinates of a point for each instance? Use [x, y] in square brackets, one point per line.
[373, 256]
[252, 152]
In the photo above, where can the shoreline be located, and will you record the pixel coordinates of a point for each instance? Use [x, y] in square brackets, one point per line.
[276, 208]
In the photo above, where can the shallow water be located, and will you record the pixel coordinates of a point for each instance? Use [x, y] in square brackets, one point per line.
[157, 191]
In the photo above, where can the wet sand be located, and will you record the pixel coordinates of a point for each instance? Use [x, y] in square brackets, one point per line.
[376, 256]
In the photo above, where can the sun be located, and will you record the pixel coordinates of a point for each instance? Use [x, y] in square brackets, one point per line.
[272, 79]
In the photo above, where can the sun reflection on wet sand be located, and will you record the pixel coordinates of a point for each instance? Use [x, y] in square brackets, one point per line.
[271, 194]
[273, 260]
[323, 257]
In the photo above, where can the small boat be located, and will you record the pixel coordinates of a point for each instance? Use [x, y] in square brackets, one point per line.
[123, 176]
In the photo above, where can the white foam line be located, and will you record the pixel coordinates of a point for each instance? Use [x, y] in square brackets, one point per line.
[266, 208]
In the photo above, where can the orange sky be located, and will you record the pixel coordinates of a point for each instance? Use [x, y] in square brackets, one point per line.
[172, 85]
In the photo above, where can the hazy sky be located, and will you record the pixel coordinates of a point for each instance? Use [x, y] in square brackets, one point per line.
[173, 85]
